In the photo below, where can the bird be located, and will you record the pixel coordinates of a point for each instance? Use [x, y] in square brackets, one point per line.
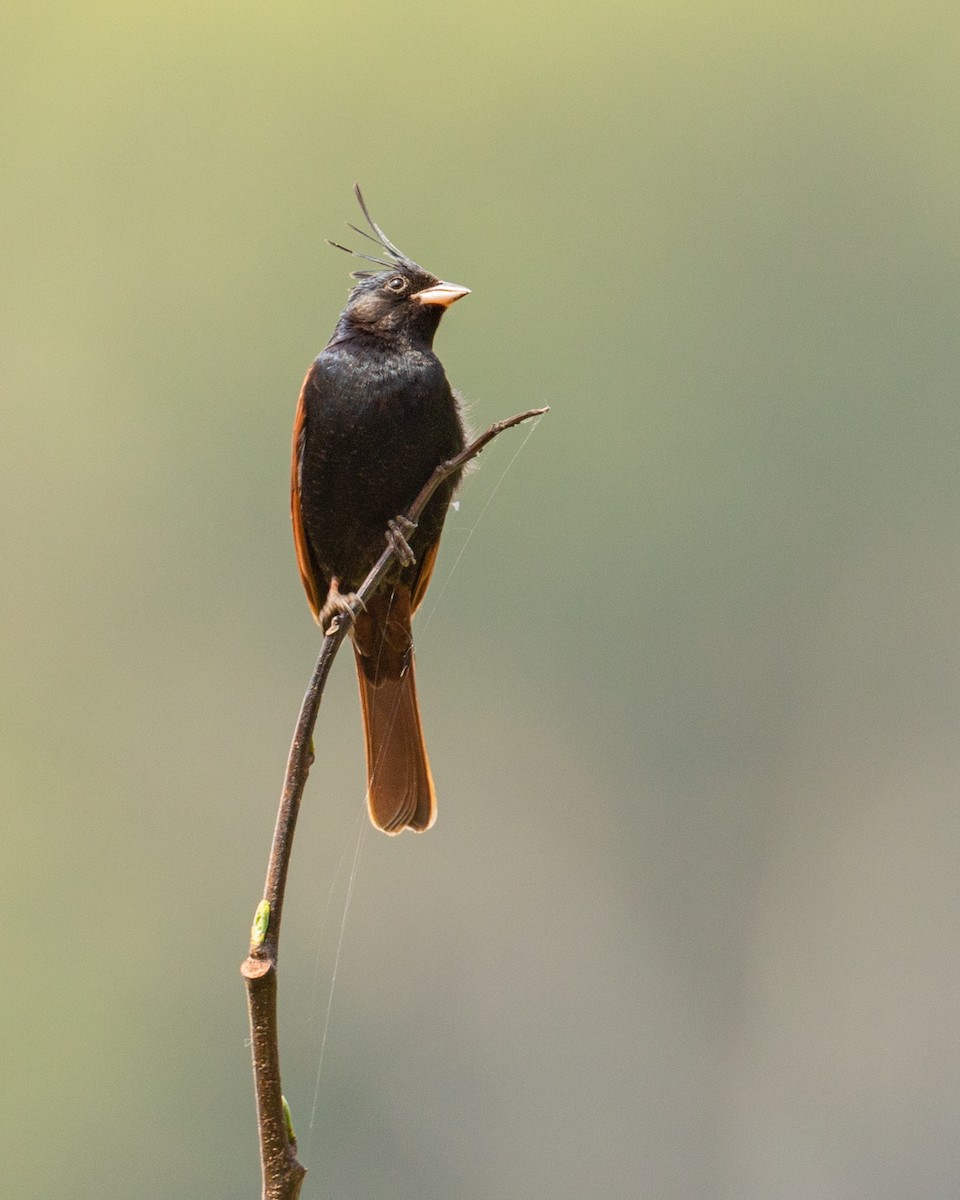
[375, 416]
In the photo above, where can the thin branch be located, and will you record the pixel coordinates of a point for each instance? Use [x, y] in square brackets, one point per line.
[283, 1173]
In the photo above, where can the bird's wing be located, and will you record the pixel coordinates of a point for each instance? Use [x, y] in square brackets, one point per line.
[425, 567]
[314, 583]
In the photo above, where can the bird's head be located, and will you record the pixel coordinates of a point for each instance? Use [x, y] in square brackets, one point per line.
[402, 300]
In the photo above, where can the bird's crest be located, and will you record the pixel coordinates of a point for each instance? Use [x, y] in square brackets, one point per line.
[395, 257]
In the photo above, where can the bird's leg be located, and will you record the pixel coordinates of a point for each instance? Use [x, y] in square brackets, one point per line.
[337, 604]
[397, 531]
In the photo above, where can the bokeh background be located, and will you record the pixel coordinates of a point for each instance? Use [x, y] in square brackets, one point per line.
[687, 925]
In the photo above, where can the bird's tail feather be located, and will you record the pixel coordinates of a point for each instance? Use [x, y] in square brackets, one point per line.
[400, 792]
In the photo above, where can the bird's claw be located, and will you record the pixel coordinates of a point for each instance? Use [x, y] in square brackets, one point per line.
[339, 604]
[397, 531]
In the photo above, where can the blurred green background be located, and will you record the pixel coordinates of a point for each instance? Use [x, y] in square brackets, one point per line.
[687, 925]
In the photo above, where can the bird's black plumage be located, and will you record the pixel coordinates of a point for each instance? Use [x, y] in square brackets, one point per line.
[376, 415]
[379, 415]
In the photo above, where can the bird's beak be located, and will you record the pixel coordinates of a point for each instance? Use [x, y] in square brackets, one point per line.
[441, 293]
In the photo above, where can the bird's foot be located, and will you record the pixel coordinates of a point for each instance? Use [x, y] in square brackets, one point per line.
[397, 531]
[338, 604]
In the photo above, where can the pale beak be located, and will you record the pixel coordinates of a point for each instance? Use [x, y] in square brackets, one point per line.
[441, 293]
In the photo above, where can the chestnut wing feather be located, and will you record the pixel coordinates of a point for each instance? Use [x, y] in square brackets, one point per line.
[314, 583]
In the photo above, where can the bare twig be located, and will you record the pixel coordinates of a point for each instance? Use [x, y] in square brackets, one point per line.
[283, 1173]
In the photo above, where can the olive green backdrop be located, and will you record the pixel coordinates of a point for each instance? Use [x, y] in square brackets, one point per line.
[687, 924]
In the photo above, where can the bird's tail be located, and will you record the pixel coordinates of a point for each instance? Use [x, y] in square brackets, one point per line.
[400, 791]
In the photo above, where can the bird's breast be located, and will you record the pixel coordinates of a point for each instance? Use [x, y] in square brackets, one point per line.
[376, 427]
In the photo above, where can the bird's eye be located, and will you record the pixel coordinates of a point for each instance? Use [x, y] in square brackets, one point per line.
[397, 283]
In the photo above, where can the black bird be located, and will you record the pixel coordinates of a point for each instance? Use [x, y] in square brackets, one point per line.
[375, 416]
